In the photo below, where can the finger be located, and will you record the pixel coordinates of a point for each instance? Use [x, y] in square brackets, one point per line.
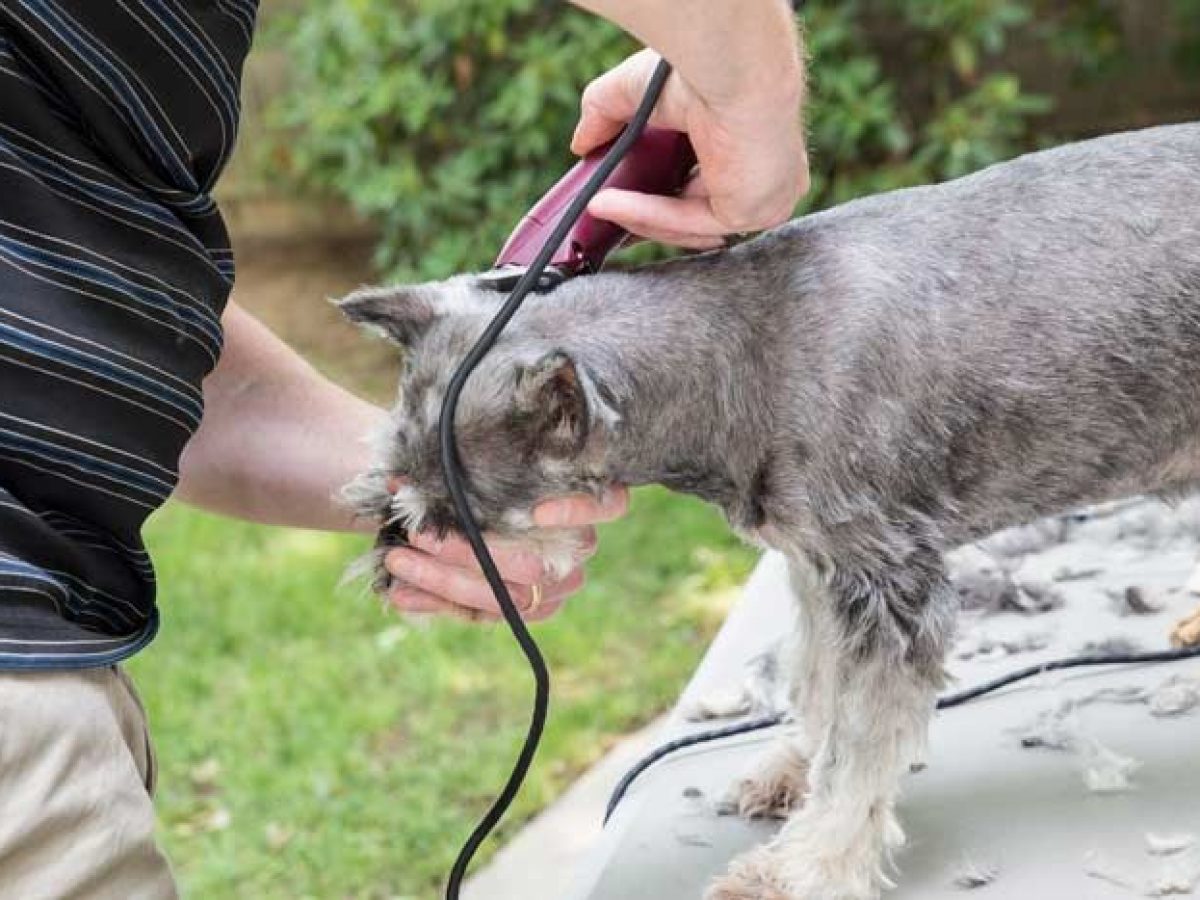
[690, 241]
[456, 585]
[554, 596]
[594, 129]
[411, 601]
[517, 564]
[569, 512]
[565, 587]
[547, 609]
[408, 599]
[605, 105]
[652, 216]
[686, 241]
[610, 101]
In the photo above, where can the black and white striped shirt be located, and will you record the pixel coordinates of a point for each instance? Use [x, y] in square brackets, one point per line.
[116, 117]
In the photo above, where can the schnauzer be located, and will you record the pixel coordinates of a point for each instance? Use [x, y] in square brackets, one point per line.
[862, 389]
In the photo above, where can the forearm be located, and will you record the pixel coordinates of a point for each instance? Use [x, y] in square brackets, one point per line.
[278, 440]
[755, 40]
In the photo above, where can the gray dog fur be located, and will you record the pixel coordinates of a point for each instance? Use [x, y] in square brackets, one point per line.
[862, 389]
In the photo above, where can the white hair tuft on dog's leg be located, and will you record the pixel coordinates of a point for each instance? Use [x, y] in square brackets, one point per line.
[777, 785]
[560, 549]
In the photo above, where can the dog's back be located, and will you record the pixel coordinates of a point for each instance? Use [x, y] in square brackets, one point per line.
[1004, 345]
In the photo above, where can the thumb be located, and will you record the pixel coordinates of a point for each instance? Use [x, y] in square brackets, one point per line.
[610, 101]
[597, 124]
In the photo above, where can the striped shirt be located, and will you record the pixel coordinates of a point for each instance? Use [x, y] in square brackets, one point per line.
[116, 118]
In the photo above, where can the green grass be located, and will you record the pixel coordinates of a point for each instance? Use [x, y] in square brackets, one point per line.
[312, 745]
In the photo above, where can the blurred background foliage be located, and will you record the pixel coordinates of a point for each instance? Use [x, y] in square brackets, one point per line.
[442, 120]
[1187, 49]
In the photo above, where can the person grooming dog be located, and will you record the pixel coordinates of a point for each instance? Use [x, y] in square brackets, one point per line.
[127, 377]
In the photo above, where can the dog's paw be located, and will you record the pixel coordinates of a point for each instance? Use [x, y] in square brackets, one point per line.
[1187, 632]
[826, 852]
[775, 788]
[752, 876]
[775, 873]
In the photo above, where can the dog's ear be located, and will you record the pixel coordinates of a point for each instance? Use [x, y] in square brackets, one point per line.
[553, 394]
[403, 313]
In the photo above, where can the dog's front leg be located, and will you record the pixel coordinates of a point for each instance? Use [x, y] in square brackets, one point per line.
[777, 783]
[892, 629]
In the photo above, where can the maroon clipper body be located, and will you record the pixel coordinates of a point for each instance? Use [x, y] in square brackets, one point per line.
[658, 163]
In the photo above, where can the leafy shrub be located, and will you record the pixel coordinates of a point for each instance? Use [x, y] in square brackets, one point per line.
[442, 120]
[1187, 13]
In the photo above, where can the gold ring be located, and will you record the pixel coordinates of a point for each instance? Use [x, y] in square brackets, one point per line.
[535, 599]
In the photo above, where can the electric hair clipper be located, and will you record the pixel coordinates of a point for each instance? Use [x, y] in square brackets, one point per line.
[659, 162]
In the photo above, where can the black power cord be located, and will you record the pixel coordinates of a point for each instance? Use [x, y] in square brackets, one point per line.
[456, 479]
[958, 698]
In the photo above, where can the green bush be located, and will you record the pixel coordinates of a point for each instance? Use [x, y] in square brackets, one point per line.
[1187, 13]
[442, 120]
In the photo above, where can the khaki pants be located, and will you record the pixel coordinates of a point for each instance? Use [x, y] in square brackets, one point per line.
[76, 776]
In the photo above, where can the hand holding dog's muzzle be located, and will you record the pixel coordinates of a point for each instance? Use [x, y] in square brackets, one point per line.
[441, 576]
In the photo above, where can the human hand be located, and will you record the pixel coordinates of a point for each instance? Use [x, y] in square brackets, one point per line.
[752, 169]
[443, 576]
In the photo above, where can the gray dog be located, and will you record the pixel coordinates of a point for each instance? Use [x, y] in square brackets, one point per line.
[862, 389]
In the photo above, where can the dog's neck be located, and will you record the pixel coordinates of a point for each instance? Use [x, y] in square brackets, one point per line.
[681, 362]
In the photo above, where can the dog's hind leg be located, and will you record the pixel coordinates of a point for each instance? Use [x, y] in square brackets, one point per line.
[883, 671]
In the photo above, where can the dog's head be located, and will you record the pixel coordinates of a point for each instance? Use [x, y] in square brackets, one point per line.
[528, 421]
